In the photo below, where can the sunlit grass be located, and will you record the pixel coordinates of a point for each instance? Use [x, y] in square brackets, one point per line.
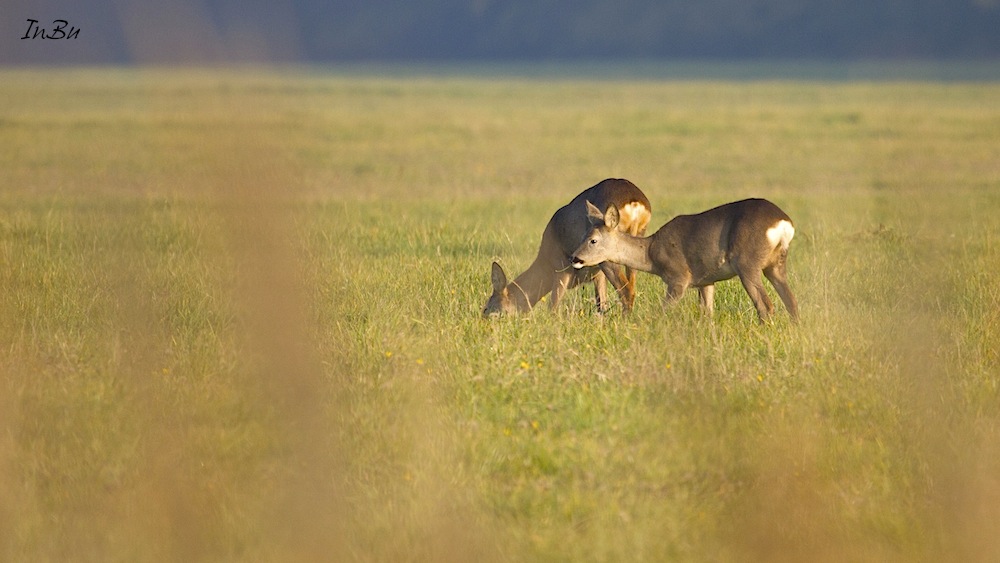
[239, 320]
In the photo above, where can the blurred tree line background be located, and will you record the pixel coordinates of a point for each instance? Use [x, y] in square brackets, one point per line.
[652, 28]
[124, 31]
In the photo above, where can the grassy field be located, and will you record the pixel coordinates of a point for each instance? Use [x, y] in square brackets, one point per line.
[239, 321]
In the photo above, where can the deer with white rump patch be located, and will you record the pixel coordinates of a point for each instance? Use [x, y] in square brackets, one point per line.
[553, 271]
[742, 239]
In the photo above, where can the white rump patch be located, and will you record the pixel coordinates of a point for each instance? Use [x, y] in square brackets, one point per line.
[781, 234]
[633, 213]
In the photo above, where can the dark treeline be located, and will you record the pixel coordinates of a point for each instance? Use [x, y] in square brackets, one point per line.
[653, 28]
[352, 30]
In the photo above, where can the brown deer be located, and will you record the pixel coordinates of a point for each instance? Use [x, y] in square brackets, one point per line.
[552, 269]
[742, 239]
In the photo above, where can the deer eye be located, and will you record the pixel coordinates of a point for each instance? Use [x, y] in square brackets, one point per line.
[593, 241]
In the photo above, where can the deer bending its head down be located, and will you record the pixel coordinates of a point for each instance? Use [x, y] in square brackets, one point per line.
[742, 239]
[552, 272]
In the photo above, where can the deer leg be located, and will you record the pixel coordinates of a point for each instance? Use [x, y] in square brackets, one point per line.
[707, 295]
[638, 229]
[779, 279]
[600, 291]
[675, 290]
[613, 273]
[755, 289]
[630, 290]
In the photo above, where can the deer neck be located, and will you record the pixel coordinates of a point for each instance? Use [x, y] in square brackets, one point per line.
[529, 287]
[633, 252]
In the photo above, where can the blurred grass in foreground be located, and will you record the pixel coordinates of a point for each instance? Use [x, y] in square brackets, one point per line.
[239, 321]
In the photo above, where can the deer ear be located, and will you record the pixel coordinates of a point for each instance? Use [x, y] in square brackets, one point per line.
[612, 217]
[594, 214]
[498, 278]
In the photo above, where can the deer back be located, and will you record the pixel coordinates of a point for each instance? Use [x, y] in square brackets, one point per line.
[713, 244]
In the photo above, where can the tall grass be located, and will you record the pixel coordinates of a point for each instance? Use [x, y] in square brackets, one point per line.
[239, 320]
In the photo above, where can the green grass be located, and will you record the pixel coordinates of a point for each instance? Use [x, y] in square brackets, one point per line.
[239, 320]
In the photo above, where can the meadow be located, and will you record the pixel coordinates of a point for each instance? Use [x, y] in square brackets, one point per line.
[240, 321]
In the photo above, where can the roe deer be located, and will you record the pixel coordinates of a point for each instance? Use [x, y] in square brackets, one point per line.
[551, 271]
[742, 239]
